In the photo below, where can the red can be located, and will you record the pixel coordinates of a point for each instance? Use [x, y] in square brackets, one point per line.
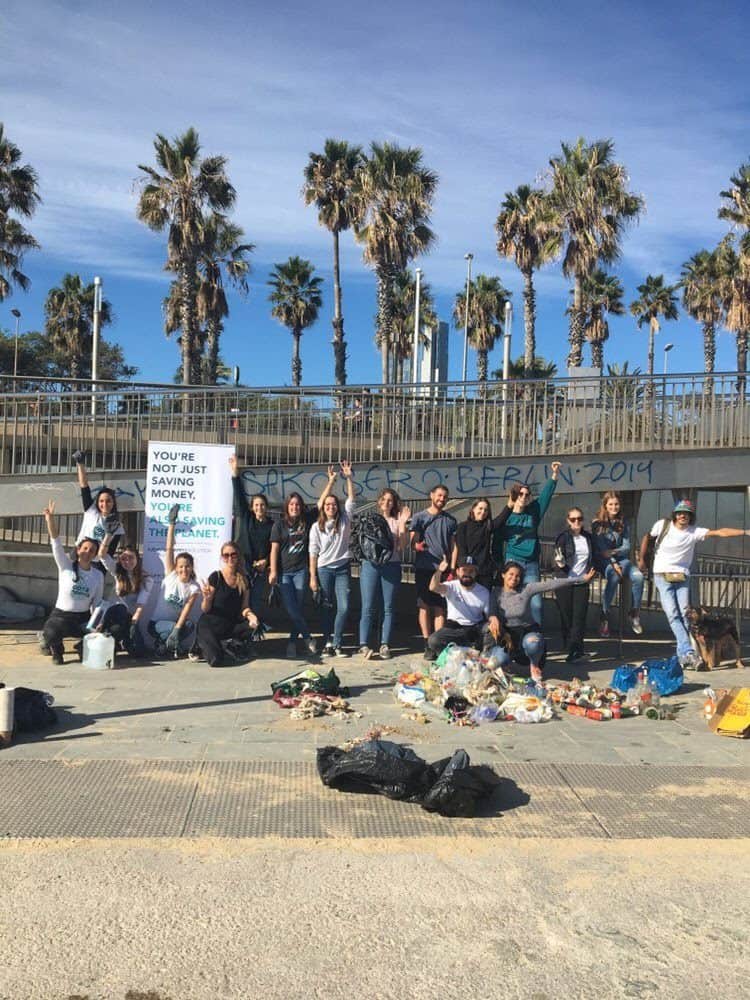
[616, 710]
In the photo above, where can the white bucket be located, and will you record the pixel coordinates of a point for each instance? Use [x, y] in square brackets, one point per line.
[98, 651]
[7, 703]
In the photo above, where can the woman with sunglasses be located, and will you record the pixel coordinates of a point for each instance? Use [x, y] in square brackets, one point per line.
[226, 608]
[517, 532]
[673, 557]
[574, 557]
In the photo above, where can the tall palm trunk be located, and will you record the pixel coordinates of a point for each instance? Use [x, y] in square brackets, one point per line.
[575, 354]
[296, 360]
[213, 334]
[385, 318]
[597, 354]
[741, 360]
[653, 329]
[709, 356]
[188, 320]
[529, 322]
[482, 365]
[339, 344]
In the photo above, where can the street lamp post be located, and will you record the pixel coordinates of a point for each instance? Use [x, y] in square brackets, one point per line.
[95, 342]
[415, 358]
[507, 332]
[667, 348]
[17, 314]
[469, 257]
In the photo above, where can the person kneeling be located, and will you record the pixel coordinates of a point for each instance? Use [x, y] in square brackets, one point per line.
[227, 614]
[468, 608]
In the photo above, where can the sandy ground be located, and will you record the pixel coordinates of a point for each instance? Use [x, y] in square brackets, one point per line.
[205, 919]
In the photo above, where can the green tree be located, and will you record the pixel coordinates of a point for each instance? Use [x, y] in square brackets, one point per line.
[296, 300]
[222, 252]
[527, 232]
[393, 194]
[736, 207]
[589, 194]
[601, 296]
[19, 195]
[330, 180]
[487, 298]
[701, 298]
[41, 364]
[404, 304]
[69, 323]
[656, 301]
[177, 196]
[734, 288]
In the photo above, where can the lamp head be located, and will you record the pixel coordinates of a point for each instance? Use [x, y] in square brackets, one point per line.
[16, 313]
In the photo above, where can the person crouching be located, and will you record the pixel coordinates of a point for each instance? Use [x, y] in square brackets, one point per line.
[468, 604]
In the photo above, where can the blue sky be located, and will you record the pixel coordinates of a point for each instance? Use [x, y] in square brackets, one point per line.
[487, 90]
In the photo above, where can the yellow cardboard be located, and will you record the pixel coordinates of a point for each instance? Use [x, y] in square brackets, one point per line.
[732, 716]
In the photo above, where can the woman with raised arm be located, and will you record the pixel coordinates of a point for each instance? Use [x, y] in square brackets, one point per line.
[289, 567]
[511, 621]
[574, 558]
[517, 534]
[100, 516]
[331, 560]
[611, 533]
[226, 610]
[80, 585]
[132, 589]
[252, 532]
[170, 625]
[383, 575]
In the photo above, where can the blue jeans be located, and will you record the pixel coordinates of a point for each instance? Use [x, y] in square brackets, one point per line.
[387, 578]
[629, 571]
[675, 600]
[292, 587]
[534, 648]
[531, 575]
[335, 584]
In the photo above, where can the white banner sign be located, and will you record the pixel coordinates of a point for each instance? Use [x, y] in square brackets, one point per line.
[197, 477]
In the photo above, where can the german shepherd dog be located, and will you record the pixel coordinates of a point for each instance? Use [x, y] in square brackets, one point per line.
[715, 635]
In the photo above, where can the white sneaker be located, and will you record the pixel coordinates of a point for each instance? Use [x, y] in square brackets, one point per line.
[338, 651]
[312, 646]
[689, 661]
[328, 649]
[635, 624]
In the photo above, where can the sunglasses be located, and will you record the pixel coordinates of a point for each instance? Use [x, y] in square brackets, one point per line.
[573, 520]
[524, 493]
[230, 555]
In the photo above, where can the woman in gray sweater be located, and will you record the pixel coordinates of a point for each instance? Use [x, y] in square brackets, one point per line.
[511, 622]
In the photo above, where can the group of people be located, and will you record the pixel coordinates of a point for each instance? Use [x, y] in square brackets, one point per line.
[477, 583]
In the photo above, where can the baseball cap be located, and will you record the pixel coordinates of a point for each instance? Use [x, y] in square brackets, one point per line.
[466, 561]
[685, 507]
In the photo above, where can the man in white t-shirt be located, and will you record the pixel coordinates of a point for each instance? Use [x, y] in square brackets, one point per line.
[468, 605]
[673, 558]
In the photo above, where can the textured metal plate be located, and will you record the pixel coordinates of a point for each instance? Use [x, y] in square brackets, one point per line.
[670, 801]
[95, 798]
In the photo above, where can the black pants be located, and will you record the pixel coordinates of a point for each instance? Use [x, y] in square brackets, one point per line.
[460, 635]
[213, 630]
[116, 621]
[573, 603]
[61, 625]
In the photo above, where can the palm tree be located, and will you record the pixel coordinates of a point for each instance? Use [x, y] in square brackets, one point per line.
[330, 179]
[736, 207]
[701, 298]
[656, 300]
[526, 231]
[69, 311]
[404, 304]
[177, 195]
[18, 195]
[487, 298]
[593, 205]
[393, 194]
[296, 301]
[221, 252]
[601, 295]
[734, 288]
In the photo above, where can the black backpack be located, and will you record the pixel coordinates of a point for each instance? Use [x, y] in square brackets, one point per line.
[371, 539]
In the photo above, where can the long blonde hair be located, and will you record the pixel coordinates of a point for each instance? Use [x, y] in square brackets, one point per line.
[242, 582]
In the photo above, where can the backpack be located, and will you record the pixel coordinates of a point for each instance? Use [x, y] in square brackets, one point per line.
[371, 539]
[653, 544]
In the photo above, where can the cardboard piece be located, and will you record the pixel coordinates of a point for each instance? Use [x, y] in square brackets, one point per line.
[732, 715]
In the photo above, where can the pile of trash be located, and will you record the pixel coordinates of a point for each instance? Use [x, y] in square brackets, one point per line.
[310, 694]
[467, 688]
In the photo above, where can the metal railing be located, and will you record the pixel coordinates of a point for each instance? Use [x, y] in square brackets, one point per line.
[41, 427]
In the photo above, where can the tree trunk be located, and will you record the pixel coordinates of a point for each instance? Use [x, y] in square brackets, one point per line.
[529, 322]
[296, 360]
[339, 344]
[597, 354]
[385, 318]
[575, 354]
[741, 360]
[653, 328]
[213, 333]
[482, 365]
[709, 356]
[188, 319]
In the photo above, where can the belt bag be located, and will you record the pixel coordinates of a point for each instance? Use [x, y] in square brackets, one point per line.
[675, 577]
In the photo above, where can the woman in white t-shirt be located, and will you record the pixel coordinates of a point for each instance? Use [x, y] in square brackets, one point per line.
[673, 557]
[132, 589]
[100, 516]
[170, 624]
[574, 556]
[79, 589]
[330, 560]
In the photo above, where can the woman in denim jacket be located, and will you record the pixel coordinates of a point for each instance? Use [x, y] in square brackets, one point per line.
[612, 541]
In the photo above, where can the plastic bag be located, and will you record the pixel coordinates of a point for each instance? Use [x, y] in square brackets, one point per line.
[409, 694]
[33, 710]
[486, 711]
[666, 675]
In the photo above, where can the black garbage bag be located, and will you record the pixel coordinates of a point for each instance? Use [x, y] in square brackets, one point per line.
[32, 711]
[451, 787]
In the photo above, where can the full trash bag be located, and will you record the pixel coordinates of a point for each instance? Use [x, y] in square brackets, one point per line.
[32, 710]
[451, 787]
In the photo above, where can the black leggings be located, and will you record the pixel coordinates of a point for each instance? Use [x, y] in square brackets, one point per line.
[117, 621]
[213, 630]
[61, 625]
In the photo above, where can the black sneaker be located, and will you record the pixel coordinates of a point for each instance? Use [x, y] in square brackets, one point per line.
[57, 657]
[429, 655]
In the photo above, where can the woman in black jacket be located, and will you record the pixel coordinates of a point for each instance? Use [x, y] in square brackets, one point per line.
[226, 608]
[474, 538]
[252, 532]
[574, 557]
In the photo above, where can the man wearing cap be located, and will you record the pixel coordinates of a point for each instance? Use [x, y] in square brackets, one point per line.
[468, 604]
[673, 557]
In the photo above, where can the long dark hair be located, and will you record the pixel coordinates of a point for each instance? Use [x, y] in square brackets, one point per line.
[322, 519]
[396, 509]
[127, 582]
[105, 490]
[287, 501]
[470, 515]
